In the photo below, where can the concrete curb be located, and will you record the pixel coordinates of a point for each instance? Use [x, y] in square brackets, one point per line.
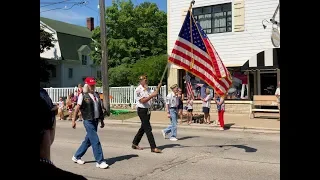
[193, 126]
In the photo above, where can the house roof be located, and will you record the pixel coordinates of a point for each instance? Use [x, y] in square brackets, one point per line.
[71, 37]
[67, 28]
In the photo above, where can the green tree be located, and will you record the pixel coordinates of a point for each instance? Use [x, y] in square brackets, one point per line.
[153, 67]
[46, 42]
[133, 32]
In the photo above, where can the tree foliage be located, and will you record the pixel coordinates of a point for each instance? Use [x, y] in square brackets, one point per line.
[133, 32]
[127, 74]
[46, 42]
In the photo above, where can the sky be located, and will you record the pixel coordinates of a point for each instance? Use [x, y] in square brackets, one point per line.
[70, 12]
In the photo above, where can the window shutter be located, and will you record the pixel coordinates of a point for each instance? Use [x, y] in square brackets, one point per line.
[238, 16]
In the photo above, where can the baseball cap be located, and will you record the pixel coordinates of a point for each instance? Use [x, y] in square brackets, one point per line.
[90, 81]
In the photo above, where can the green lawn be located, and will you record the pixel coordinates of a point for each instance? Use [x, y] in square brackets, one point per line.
[123, 116]
[114, 117]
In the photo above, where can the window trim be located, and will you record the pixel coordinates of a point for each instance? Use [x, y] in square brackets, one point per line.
[212, 17]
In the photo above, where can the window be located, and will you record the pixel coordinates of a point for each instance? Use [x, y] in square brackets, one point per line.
[84, 59]
[214, 19]
[99, 75]
[70, 72]
[54, 72]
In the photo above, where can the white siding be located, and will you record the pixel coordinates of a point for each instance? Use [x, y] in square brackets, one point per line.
[234, 48]
[79, 71]
[54, 52]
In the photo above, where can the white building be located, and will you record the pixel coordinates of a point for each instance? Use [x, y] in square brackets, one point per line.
[235, 28]
[70, 54]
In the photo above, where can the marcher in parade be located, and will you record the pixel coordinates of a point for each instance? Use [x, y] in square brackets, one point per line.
[180, 104]
[90, 105]
[143, 100]
[221, 108]
[172, 103]
[47, 126]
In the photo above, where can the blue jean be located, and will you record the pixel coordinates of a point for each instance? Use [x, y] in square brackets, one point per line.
[91, 139]
[174, 121]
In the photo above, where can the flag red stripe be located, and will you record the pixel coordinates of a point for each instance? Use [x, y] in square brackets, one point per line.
[213, 57]
[195, 52]
[199, 74]
[188, 58]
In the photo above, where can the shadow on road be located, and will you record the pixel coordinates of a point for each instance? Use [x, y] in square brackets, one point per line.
[188, 137]
[246, 148]
[228, 126]
[168, 146]
[113, 160]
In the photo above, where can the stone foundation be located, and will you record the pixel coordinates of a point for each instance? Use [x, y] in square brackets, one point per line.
[232, 107]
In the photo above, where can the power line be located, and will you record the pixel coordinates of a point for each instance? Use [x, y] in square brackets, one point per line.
[79, 3]
[53, 3]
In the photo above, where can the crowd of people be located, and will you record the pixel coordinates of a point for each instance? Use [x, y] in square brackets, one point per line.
[69, 104]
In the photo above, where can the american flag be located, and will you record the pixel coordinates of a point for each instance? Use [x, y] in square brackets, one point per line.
[195, 53]
[189, 87]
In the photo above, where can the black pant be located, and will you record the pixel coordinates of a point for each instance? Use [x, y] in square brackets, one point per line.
[145, 128]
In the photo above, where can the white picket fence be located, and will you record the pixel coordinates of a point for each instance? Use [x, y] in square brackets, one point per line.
[120, 95]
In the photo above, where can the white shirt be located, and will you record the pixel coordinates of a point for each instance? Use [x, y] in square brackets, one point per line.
[141, 92]
[172, 100]
[95, 103]
[208, 101]
[278, 93]
[190, 104]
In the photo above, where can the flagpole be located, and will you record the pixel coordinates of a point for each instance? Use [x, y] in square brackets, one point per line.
[165, 70]
[191, 38]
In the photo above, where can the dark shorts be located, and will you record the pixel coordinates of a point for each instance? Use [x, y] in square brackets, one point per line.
[190, 110]
[180, 106]
[205, 109]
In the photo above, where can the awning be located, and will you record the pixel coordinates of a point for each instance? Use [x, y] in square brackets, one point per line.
[268, 59]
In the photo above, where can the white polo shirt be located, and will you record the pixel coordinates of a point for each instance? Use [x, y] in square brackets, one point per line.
[172, 100]
[142, 92]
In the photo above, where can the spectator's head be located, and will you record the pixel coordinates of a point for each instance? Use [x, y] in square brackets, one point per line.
[79, 85]
[47, 125]
[207, 91]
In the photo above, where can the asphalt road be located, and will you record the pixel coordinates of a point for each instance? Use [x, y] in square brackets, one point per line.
[199, 154]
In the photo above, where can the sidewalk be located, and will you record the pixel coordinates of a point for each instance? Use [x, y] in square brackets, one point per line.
[235, 121]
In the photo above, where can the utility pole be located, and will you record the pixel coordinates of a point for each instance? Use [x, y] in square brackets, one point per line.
[104, 57]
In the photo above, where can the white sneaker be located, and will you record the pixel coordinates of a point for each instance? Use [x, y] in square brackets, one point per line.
[173, 139]
[79, 161]
[163, 134]
[102, 165]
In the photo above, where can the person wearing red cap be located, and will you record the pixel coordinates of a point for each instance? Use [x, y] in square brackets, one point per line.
[91, 108]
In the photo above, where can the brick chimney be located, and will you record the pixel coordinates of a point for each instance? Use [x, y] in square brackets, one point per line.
[90, 23]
